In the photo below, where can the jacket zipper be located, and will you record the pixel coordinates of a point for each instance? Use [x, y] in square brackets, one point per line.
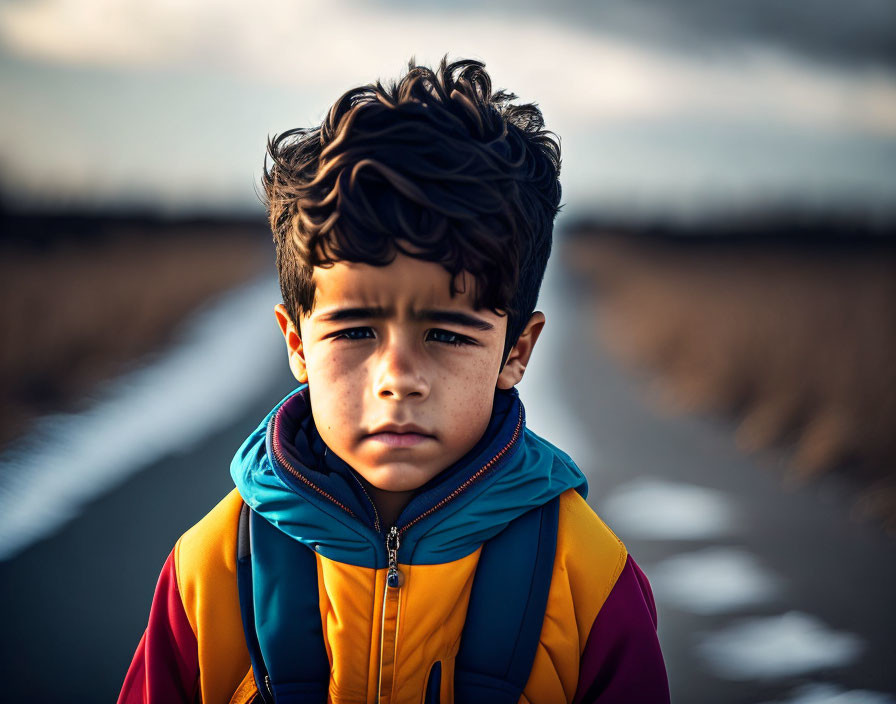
[390, 618]
[394, 577]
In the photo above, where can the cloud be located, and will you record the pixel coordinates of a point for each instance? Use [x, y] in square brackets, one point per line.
[581, 77]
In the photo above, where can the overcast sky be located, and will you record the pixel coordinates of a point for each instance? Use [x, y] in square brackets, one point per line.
[684, 106]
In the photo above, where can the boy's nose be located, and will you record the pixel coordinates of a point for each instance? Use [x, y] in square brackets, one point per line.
[400, 375]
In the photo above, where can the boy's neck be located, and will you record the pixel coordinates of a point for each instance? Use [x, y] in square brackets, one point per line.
[389, 504]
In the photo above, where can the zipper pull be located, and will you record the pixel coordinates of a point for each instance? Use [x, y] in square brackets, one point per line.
[394, 577]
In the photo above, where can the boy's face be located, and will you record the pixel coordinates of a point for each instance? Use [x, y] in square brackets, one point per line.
[400, 374]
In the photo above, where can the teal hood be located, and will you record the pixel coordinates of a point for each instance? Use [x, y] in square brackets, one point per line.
[287, 475]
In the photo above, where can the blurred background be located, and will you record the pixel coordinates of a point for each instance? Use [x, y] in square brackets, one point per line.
[721, 305]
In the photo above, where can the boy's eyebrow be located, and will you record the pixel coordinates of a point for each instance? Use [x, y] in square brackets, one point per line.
[340, 314]
[455, 317]
[434, 315]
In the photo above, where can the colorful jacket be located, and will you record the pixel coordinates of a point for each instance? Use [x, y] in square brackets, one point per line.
[598, 642]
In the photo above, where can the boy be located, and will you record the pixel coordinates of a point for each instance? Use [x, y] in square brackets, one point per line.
[396, 533]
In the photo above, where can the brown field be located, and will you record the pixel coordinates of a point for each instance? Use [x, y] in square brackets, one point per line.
[76, 313]
[797, 343]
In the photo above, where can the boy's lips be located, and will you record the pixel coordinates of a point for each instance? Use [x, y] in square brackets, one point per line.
[399, 435]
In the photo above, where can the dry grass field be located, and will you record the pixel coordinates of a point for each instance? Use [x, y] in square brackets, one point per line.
[797, 343]
[77, 311]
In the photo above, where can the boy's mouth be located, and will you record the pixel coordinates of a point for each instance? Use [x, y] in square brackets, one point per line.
[395, 435]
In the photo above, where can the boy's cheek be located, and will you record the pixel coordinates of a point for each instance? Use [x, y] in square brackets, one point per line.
[328, 367]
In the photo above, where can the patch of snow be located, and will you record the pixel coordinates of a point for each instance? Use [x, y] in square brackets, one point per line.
[832, 694]
[777, 646]
[713, 580]
[658, 509]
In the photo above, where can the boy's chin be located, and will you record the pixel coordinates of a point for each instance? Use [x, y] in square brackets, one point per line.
[398, 477]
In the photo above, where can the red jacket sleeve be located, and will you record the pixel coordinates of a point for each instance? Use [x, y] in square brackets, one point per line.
[622, 662]
[165, 667]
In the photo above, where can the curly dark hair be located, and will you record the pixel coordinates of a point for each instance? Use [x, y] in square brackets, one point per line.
[434, 166]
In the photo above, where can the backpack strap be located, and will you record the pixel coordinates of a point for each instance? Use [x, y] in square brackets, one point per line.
[247, 609]
[506, 611]
[289, 660]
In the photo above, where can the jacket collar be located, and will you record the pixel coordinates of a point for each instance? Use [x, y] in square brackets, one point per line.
[286, 473]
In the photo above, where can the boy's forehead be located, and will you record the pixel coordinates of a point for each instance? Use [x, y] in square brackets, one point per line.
[405, 282]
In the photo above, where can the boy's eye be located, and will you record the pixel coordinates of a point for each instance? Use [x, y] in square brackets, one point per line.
[354, 334]
[450, 338]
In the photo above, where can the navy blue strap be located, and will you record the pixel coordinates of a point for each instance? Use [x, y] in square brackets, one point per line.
[247, 610]
[506, 611]
[281, 614]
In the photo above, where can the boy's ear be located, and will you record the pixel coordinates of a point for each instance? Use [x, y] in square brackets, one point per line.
[515, 366]
[294, 347]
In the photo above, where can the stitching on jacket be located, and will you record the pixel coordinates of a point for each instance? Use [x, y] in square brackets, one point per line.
[180, 590]
[620, 565]
[197, 685]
